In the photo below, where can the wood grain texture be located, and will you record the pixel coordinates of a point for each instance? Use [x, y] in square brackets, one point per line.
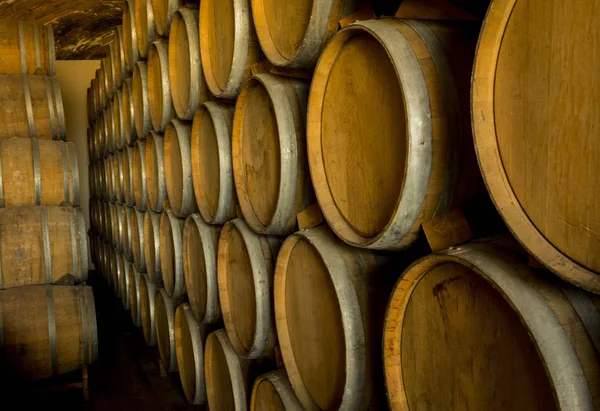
[447, 230]
[139, 92]
[145, 27]
[159, 87]
[163, 11]
[535, 131]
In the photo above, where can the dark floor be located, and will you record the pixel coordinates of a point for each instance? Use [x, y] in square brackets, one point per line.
[126, 376]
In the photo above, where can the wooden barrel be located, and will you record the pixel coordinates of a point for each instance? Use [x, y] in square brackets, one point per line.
[127, 166]
[212, 171]
[107, 222]
[245, 267]
[134, 297]
[159, 87]
[90, 109]
[268, 144]
[144, 26]
[155, 172]
[528, 336]
[138, 245]
[102, 83]
[106, 68]
[38, 172]
[189, 348]
[31, 106]
[548, 197]
[382, 166]
[117, 226]
[147, 296]
[27, 48]
[42, 245]
[130, 43]
[315, 269]
[109, 128]
[165, 330]
[228, 45]
[101, 96]
[99, 135]
[124, 268]
[110, 178]
[188, 85]
[200, 246]
[117, 120]
[55, 334]
[117, 273]
[140, 190]
[163, 11]
[126, 232]
[171, 253]
[178, 168]
[128, 112]
[119, 67]
[226, 374]
[152, 245]
[118, 170]
[141, 111]
[107, 268]
[273, 392]
[293, 34]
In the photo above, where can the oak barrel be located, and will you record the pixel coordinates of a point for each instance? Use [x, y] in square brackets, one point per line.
[212, 171]
[130, 43]
[126, 267]
[117, 272]
[127, 166]
[42, 245]
[268, 144]
[110, 176]
[163, 11]
[102, 83]
[109, 128]
[118, 170]
[26, 48]
[141, 111]
[188, 85]
[117, 226]
[189, 347]
[337, 369]
[117, 120]
[55, 334]
[90, 108]
[178, 168]
[383, 166]
[126, 235]
[144, 26]
[128, 112]
[526, 341]
[31, 106]
[119, 67]
[155, 171]
[99, 93]
[107, 74]
[138, 243]
[540, 162]
[38, 172]
[152, 239]
[228, 45]
[200, 247]
[171, 253]
[140, 189]
[272, 392]
[147, 296]
[165, 330]
[245, 267]
[159, 87]
[134, 297]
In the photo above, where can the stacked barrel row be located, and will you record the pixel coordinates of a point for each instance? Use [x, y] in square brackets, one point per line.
[47, 314]
[241, 115]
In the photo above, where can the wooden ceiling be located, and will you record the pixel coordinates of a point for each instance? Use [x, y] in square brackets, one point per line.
[81, 27]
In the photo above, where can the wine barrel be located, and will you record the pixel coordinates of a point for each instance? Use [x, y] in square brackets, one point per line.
[119, 67]
[141, 111]
[100, 135]
[382, 166]
[171, 253]
[315, 269]
[106, 67]
[111, 142]
[165, 331]
[178, 168]
[155, 172]
[159, 87]
[245, 266]
[527, 335]
[200, 246]
[55, 334]
[212, 172]
[90, 147]
[268, 144]
[38, 172]
[138, 245]
[226, 374]
[128, 112]
[117, 228]
[188, 85]
[293, 34]
[273, 392]
[117, 120]
[117, 273]
[134, 297]
[228, 45]
[144, 26]
[31, 106]
[27, 48]
[102, 83]
[90, 109]
[147, 296]
[140, 190]
[163, 11]
[107, 228]
[127, 166]
[92, 102]
[189, 348]
[107, 267]
[126, 232]
[110, 178]
[152, 245]
[118, 170]
[101, 96]
[130, 43]
[124, 268]
[42, 245]
[548, 197]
